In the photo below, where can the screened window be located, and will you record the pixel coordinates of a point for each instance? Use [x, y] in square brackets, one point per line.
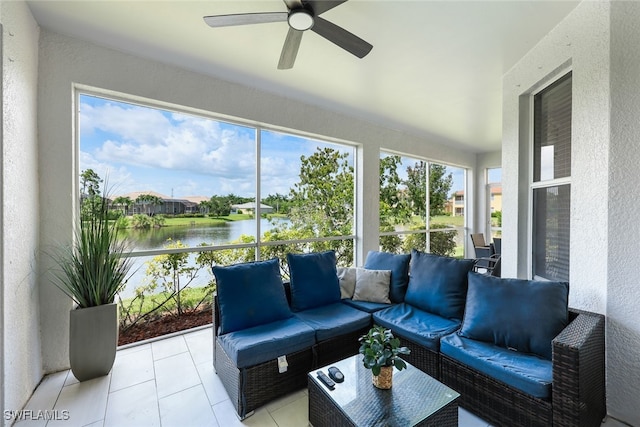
[551, 185]
[421, 206]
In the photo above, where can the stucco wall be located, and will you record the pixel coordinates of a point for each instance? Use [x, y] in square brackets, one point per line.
[623, 292]
[20, 222]
[65, 61]
[597, 41]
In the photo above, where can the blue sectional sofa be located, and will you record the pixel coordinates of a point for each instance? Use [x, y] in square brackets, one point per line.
[511, 347]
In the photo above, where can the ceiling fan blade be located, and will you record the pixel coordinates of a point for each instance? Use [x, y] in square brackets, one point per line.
[244, 19]
[321, 6]
[341, 37]
[290, 49]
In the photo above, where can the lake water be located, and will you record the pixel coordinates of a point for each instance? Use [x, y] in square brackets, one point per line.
[191, 236]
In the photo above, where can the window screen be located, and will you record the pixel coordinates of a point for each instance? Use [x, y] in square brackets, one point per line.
[551, 181]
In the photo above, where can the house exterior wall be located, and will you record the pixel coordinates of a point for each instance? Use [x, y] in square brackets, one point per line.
[66, 61]
[21, 355]
[597, 41]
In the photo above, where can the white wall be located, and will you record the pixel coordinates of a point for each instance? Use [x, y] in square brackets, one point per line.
[598, 41]
[20, 221]
[65, 61]
[623, 292]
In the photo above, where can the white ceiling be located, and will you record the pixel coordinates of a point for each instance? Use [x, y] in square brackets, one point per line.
[435, 69]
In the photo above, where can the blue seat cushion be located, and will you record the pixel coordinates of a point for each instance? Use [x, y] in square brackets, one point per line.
[250, 294]
[369, 307]
[314, 280]
[438, 284]
[333, 320]
[525, 315]
[528, 373]
[398, 264]
[415, 325]
[259, 344]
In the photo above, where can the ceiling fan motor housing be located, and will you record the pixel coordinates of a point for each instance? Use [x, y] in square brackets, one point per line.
[300, 19]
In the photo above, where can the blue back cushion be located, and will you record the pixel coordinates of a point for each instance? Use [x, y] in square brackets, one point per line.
[524, 315]
[399, 266]
[438, 284]
[314, 280]
[250, 294]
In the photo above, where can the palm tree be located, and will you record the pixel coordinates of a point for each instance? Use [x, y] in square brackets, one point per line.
[148, 200]
[124, 202]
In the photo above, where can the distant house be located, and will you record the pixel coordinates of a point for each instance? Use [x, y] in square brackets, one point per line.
[455, 205]
[250, 208]
[167, 205]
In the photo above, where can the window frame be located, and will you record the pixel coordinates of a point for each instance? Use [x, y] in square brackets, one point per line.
[79, 90]
[541, 184]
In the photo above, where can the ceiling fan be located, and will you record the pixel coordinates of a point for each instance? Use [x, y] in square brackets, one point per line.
[302, 15]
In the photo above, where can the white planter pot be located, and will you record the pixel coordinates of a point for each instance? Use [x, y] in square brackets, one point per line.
[93, 339]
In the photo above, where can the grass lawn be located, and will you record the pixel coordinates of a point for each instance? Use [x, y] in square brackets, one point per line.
[189, 297]
[171, 221]
[455, 221]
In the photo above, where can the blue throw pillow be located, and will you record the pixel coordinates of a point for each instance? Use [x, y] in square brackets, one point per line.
[438, 284]
[524, 315]
[250, 294]
[314, 280]
[399, 266]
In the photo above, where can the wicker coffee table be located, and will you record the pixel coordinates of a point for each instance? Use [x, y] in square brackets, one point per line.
[415, 399]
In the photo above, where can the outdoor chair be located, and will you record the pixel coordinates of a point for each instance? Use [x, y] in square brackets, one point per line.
[482, 250]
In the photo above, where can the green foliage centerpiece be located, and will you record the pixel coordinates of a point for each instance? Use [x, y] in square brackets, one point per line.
[91, 272]
[381, 352]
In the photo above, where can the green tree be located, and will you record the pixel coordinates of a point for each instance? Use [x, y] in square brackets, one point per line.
[279, 202]
[90, 182]
[219, 206]
[417, 188]
[322, 201]
[439, 186]
[123, 202]
[148, 201]
[393, 208]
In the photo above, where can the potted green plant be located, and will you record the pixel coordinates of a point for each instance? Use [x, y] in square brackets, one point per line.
[381, 351]
[91, 271]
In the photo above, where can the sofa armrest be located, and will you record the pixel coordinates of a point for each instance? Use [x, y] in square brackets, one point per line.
[579, 371]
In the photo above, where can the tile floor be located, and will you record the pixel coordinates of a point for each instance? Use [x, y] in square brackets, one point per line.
[168, 382]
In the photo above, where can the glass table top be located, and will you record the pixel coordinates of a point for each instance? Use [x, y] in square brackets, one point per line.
[413, 398]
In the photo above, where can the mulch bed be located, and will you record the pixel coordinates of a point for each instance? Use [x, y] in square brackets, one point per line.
[165, 325]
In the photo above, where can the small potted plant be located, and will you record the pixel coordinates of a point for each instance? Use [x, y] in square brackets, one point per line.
[381, 352]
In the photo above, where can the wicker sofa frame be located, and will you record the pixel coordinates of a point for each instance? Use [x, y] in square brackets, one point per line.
[251, 387]
[578, 391]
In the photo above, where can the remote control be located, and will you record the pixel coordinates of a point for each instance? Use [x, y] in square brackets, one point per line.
[335, 374]
[326, 380]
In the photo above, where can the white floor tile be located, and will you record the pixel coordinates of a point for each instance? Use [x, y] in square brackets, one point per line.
[45, 396]
[227, 417]
[200, 345]
[132, 368]
[187, 408]
[179, 388]
[85, 401]
[168, 347]
[211, 383]
[294, 414]
[133, 406]
[286, 400]
[175, 373]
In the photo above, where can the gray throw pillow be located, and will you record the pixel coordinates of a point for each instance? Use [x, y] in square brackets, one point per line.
[372, 285]
[347, 277]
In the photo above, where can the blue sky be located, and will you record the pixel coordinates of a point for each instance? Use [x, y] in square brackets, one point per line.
[147, 149]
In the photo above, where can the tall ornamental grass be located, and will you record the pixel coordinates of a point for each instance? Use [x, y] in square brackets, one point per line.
[94, 268]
